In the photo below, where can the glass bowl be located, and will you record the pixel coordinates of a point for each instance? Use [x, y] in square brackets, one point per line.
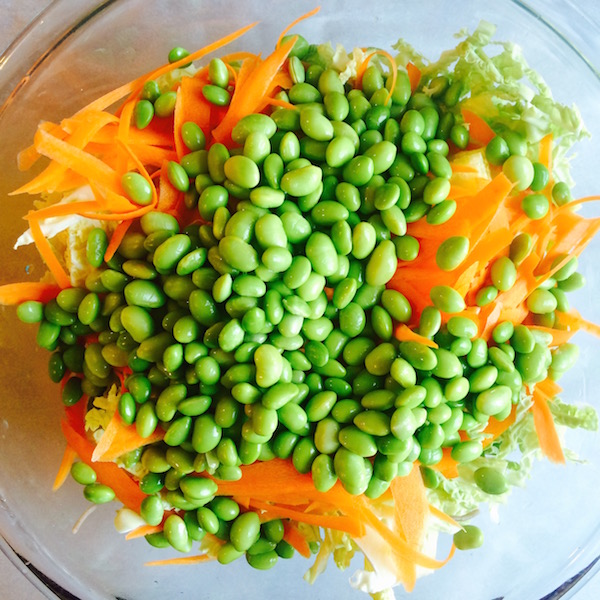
[549, 532]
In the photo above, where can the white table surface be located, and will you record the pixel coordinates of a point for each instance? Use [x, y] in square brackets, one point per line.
[16, 14]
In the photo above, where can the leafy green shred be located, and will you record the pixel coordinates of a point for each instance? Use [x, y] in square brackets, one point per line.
[103, 408]
[333, 543]
[574, 416]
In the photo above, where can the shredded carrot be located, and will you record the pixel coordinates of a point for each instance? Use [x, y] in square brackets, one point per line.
[404, 333]
[293, 24]
[545, 153]
[117, 238]
[574, 320]
[123, 133]
[410, 513]
[251, 91]
[281, 103]
[339, 523]
[182, 560]
[61, 210]
[118, 439]
[64, 469]
[189, 98]
[545, 427]
[75, 159]
[15, 293]
[559, 336]
[479, 131]
[362, 67]
[442, 516]
[44, 248]
[125, 488]
[495, 428]
[549, 387]
[447, 466]
[142, 531]
[414, 76]
[296, 540]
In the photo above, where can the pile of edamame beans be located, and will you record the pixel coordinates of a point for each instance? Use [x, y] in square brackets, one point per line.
[264, 328]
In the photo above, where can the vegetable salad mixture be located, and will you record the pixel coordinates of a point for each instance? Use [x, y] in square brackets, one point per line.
[312, 303]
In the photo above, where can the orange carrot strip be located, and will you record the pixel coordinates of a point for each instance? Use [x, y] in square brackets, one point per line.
[296, 540]
[61, 210]
[74, 158]
[282, 103]
[118, 439]
[84, 129]
[549, 387]
[479, 131]
[311, 13]
[339, 523]
[169, 199]
[151, 135]
[180, 147]
[559, 336]
[125, 488]
[251, 92]
[546, 428]
[442, 516]
[142, 531]
[404, 333]
[473, 214]
[115, 202]
[47, 254]
[579, 201]
[15, 293]
[410, 506]
[151, 155]
[414, 76]
[397, 545]
[117, 238]
[123, 132]
[495, 428]
[545, 153]
[134, 214]
[360, 70]
[233, 57]
[113, 96]
[183, 560]
[191, 106]
[448, 467]
[575, 321]
[29, 156]
[65, 467]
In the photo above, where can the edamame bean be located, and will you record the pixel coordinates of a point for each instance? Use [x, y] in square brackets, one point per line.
[137, 187]
[447, 299]
[541, 302]
[98, 493]
[519, 170]
[468, 451]
[382, 264]
[490, 480]
[468, 538]
[452, 252]
[351, 470]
